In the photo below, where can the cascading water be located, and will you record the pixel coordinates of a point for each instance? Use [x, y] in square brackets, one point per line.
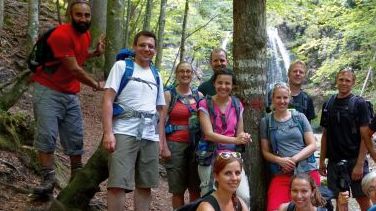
[278, 58]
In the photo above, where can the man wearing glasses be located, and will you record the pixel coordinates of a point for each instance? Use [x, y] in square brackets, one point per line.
[131, 138]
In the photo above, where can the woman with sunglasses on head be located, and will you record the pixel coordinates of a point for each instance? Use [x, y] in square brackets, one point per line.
[288, 144]
[176, 148]
[305, 195]
[227, 170]
[221, 122]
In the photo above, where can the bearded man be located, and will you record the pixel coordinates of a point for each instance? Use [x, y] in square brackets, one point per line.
[55, 87]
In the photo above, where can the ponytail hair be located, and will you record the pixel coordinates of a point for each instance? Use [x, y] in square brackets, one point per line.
[317, 200]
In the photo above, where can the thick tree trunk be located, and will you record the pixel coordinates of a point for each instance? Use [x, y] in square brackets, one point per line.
[98, 27]
[161, 26]
[114, 32]
[149, 5]
[33, 24]
[183, 31]
[83, 187]
[249, 67]
[1, 15]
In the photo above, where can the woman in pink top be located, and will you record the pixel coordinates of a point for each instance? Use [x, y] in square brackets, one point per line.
[221, 122]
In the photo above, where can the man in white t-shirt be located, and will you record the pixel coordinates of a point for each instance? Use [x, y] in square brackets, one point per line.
[132, 139]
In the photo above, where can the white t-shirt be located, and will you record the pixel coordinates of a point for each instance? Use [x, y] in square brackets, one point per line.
[138, 96]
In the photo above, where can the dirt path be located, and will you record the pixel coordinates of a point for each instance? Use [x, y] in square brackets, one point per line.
[16, 179]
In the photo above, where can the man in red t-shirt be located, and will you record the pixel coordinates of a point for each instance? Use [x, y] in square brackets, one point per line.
[55, 101]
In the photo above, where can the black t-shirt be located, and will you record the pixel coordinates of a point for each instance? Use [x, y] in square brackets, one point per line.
[342, 143]
[304, 104]
[372, 125]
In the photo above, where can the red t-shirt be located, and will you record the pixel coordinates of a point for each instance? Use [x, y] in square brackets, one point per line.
[179, 115]
[65, 41]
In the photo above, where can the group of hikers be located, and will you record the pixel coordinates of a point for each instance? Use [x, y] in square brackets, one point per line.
[199, 134]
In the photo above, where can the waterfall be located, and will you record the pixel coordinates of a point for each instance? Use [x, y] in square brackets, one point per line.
[278, 58]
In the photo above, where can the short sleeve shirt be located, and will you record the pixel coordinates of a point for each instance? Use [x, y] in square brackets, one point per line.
[342, 143]
[287, 135]
[207, 88]
[138, 96]
[65, 41]
[227, 129]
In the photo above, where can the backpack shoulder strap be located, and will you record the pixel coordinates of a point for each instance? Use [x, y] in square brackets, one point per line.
[174, 98]
[291, 207]
[154, 70]
[129, 67]
[329, 105]
[235, 102]
[270, 131]
[212, 115]
[196, 95]
[213, 202]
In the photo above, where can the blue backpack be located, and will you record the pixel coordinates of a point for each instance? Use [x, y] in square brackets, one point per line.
[128, 56]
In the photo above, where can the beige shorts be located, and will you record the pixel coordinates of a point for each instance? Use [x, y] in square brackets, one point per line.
[133, 164]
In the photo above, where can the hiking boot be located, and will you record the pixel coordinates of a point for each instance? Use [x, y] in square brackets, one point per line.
[47, 185]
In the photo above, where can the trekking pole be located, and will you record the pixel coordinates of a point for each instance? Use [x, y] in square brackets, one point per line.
[368, 75]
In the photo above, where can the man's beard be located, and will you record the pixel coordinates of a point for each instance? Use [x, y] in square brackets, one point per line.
[81, 27]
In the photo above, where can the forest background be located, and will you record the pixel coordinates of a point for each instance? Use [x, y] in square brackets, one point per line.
[326, 34]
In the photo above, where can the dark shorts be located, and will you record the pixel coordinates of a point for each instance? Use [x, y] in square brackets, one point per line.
[182, 169]
[355, 186]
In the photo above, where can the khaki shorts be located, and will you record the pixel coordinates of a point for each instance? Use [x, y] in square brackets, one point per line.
[182, 169]
[133, 164]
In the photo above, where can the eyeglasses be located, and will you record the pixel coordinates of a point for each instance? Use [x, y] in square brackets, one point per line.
[227, 155]
[188, 72]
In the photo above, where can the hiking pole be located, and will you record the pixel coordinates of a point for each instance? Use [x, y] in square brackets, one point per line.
[368, 75]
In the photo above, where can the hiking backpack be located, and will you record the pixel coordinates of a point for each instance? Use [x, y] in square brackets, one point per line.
[271, 129]
[351, 109]
[42, 55]
[193, 121]
[127, 55]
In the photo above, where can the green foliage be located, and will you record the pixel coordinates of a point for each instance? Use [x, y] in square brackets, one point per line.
[336, 34]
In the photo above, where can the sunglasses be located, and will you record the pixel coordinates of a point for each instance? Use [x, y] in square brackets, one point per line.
[227, 155]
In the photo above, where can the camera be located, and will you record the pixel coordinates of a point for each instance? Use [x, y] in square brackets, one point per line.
[344, 180]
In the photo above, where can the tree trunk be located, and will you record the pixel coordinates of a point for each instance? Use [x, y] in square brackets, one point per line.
[183, 31]
[33, 24]
[98, 27]
[85, 184]
[249, 68]
[14, 90]
[161, 26]
[1, 15]
[127, 23]
[149, 5]
[114, 32]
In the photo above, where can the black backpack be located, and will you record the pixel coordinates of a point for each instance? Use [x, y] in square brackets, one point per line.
[351, 109]
[192, 206]
[42, 55]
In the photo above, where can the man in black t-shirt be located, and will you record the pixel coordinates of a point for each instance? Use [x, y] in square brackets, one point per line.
[218, 60]
[343, 132]
[300, 100]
